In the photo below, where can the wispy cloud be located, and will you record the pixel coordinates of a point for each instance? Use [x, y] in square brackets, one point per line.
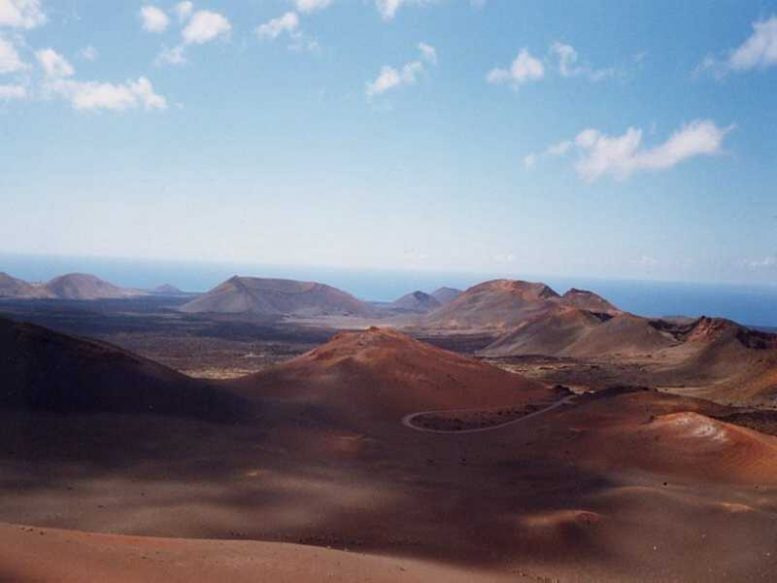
[621, 156]
[569, 64]
[53, 64]
[288, 25]
[94, 96]
[388, 8]
[9, 92]
[10, 61]
[525, 68]
[198, 28]
[758, 51]
[561, 57]
[308, 6]
[392, 77]
[89, 95]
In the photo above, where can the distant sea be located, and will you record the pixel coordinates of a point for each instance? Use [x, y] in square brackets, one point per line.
[752, 305]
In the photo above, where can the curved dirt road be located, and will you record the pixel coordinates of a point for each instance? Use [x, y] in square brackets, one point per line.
[407, 420]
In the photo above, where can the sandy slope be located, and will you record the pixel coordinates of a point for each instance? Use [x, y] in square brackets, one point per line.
[38, 555]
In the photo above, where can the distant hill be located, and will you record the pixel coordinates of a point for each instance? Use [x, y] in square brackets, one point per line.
[445, 295]
[167, 290]
[12, 287]
[382, 373]
[42, 370]
[417, 301]
[72, 286]
[254, 295]
[587, 300]
[550, 333]
[83, 286]
[493, 306]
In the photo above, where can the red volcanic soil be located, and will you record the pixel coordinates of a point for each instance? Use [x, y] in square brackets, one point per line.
[493, 305]
[45, 555]
[253, 295]
[669, 435]
[82, 286]
[44, 370]
[382, 373]
[618, 485]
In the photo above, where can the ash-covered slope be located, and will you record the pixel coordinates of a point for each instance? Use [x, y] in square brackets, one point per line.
[276, 297]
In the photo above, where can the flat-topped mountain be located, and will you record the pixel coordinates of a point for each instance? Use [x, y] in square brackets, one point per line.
[276, 297]
[382, 373]
[417, 301]
[45, 370]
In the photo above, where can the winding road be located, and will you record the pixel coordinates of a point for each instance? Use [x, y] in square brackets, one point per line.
[407, 420]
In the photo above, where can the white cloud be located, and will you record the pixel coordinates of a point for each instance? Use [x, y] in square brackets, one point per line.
[759, 51]
[85, 96]
[388, 8]
[89, 53]
[54, 64]
[21, 13]
[559, 149]
[428, 53]
[173, 56]
[391, 77]
[183, 10]
[205, 26]
[154, 19]
[285, 24]
[8, 92]
[524, 69]
[621, 156]
[568, 65]
[9, 57]
[308, 6]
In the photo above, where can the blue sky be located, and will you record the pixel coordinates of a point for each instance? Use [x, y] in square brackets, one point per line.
[602, 139]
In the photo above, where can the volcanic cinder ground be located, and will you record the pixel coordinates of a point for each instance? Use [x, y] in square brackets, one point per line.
[368, 455]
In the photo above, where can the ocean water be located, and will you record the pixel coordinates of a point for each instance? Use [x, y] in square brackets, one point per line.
[752, 305]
